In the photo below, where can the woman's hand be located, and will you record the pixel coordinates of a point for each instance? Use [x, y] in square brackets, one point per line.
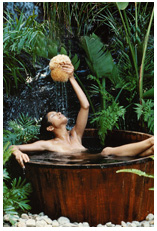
[21, 158]
[69, 69]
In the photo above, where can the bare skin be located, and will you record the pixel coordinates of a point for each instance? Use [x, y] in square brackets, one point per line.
[71, 141]
[142, 148]
[64, 140]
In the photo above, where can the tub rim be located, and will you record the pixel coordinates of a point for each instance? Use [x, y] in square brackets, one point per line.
[88, 166]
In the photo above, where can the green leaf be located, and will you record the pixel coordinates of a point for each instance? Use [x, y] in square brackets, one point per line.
[75, 61]
[136, 171]
[122, 5]
[149, 94]
[63, 51]
[98, 59]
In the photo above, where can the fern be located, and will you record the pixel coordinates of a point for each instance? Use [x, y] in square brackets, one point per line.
[146, 112]
[6, 152]
[15, 193]
[15, 196]
[108, 119]
[22, 130]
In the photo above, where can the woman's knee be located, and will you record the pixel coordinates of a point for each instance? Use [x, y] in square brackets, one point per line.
[151, 140]
[152, 150]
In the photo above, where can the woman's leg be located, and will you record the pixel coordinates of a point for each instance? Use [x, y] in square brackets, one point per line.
[148, 152]
[143, 147]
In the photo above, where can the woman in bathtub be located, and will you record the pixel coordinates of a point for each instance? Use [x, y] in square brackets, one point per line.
[65, 141]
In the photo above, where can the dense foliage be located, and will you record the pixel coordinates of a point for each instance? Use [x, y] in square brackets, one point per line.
[22, 130]
[119, 54]
[24, 40]
[16, 191]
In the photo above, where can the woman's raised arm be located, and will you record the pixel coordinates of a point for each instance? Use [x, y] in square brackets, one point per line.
[82, 117]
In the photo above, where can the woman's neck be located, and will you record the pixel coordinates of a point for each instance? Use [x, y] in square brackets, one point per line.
[62, 134]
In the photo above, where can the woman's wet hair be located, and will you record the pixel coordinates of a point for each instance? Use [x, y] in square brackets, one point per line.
[44, 134]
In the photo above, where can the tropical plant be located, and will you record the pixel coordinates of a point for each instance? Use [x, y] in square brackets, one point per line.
[146, 111]
[23, 41]
[101, 65]
[18, 38]
[15, 192]
[138, 172]
[108, 119]
[22, 130]
[132, 43]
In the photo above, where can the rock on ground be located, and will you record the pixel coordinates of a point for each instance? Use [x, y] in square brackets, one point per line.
[42, 220]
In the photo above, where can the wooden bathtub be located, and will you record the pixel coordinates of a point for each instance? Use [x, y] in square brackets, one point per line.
[94, 193]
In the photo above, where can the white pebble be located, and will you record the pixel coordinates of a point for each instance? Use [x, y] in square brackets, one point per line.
[55, 223]
[99, 225]
[80, 224]
[21, 224]
[63, 220]
[151, 222]
[30, 223]
[39, 218]
[137, 223]
[41, 223]
[41, 214]
[118, 226]
[6, 217]
[150, 217]
[85, 224]
[24, 216]
[145, 224]
[123, 224]
[48, 220]
[109, 224]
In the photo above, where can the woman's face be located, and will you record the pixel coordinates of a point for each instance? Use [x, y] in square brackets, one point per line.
[56, 118]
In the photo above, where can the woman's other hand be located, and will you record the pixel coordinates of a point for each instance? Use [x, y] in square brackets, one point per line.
[22, 158]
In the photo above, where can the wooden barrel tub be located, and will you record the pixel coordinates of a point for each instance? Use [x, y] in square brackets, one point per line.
[94, 193]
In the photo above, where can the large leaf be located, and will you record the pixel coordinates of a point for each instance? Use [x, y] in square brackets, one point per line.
[99, 59]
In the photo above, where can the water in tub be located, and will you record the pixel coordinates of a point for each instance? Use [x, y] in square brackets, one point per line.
[90, 156]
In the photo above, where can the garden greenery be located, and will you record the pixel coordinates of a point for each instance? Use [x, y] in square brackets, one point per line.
[146, 111]
[16, 191]
[125, 63]
[24, 40]
[100, 62]
[22, 130]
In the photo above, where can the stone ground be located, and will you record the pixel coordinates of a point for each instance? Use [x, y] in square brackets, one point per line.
[42, 220]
